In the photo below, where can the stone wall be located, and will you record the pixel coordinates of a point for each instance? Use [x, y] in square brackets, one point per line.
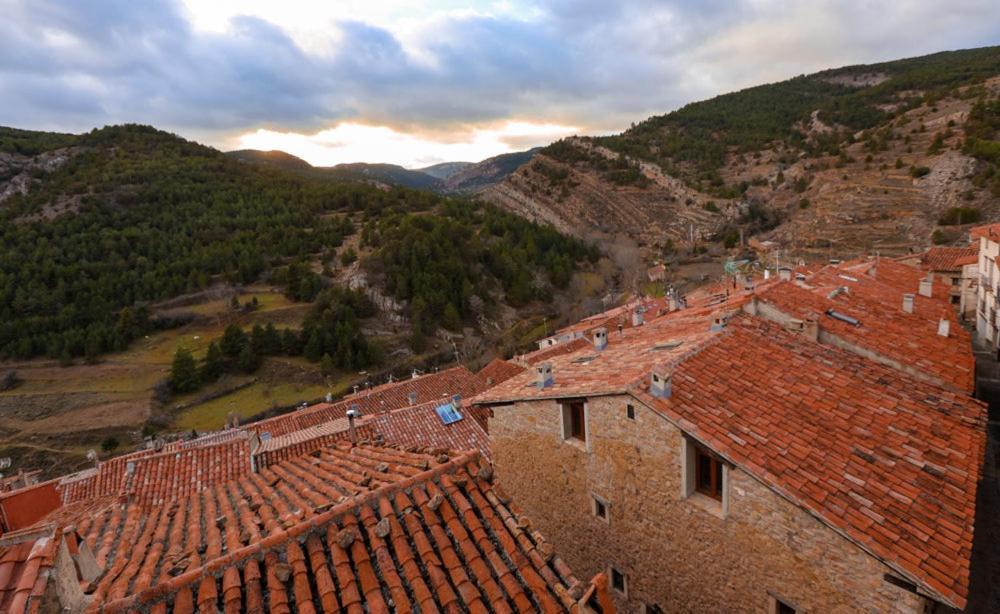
[678, 553]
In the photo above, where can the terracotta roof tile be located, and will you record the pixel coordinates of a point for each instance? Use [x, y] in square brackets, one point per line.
[26, 556]
[909, 339]
[366, 528]
[889, 460]
[499, 371]
[949, 258]
[430, 387]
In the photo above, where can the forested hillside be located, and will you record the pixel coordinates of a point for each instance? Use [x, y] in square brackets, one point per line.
[882, 157]
[136, 215]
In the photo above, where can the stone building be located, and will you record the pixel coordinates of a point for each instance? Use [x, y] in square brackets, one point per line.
[714, 460]
[987, 325]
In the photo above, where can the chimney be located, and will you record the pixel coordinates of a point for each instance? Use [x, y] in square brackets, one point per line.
[414, 375]
[456, 400]
[412, 397]
[908, 303]
[926, 287]
[718, 322]
[944, 327]
[352, 415]
[601, 338]
[767, 274]
[637, 317]
[544, 373]
[784, 274]
[660, 383]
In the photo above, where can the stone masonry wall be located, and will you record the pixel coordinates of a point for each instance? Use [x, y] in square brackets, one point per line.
[674, 551]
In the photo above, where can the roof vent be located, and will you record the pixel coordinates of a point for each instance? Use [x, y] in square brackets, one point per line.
[784, 273]
[908, 303]
[660, 384]
[412, 397]
[843, 317]
[926, 287]
[944, 327]
[719, 322]
[544, 374]
[837, 292]
[637, 317]
[601, 338]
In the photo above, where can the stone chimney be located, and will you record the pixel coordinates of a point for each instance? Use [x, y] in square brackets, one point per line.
[784, 273]
[353, 413]
[456, 400]
[944, 327]
[660, 382]
[926, 286]
[412, 397]
[637, 317]
[543, 372]
[908, 303]
[601, 338]
[719, 322]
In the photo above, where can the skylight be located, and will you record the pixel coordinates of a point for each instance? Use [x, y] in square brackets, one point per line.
[843, 317]
[448, 413]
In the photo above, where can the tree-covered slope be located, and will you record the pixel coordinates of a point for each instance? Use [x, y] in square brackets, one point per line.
[137, 215]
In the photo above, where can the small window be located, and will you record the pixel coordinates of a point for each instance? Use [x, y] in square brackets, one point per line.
[630, 411]
[574, 421]
[618, 582]
[651, 608]
[600, 508]
[708, 473]
[955, 300]
[778, 606]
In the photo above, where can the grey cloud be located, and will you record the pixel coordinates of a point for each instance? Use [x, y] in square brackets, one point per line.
[591, 63]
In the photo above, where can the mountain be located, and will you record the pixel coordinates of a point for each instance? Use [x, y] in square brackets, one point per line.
[444, 170]
[273, 157]
[476, 177]
[444, 178]
[849, 160]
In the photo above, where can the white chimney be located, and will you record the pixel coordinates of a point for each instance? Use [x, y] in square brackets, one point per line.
[767, 274]
[944, 327]
[637, 317]
[352, 414]
[456, 400]
[926, 287]
[660, 383]
[601, 338]
[414, 375]
[544, 372]
[412, 398]
[908, 303]
[784, 274]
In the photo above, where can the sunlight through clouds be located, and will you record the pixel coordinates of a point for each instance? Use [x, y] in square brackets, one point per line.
[352, 142]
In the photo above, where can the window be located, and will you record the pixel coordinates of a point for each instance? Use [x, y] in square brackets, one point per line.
[651, 608]
[618, 582]
[574, 421]
[630, 411]
[779, 606]
[600, 508]
[708, 473]
[956, 299]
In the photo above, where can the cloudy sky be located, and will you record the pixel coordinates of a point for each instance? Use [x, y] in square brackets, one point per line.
[418, 82]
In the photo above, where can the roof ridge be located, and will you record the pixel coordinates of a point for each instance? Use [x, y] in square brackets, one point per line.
[217, 566]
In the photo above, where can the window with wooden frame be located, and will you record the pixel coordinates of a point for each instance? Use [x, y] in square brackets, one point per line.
[574, 420]
[707, 473]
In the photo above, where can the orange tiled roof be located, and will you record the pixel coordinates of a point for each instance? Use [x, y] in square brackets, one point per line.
[430, 387]
[949, 258]
[26, 557]
[990, 231]
[498, 371]
[886, 459]
[588, 371]
[366, 528]
[910, 339]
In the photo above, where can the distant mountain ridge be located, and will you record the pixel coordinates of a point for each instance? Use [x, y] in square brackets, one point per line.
[443, 178]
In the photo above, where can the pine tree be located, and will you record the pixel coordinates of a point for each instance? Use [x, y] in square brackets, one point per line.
[248, 361]
[214, 365]
[326, 365]
[233, 340]
[183, 372]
